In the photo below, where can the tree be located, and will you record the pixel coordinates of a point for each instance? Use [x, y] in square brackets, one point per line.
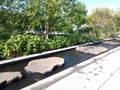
[78, 14]
[5, 30]
[101, 19]
[12, 19]
[44, 15]
[117, 16]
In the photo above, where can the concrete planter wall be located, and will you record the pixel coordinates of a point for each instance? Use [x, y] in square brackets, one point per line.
[38, 55]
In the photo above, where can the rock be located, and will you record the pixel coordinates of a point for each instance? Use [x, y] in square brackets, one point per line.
[118, 39]
[95, 50]
[9, 77]
[111, 43]
[43, 66]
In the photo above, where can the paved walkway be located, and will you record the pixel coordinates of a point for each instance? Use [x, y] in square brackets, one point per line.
[100, 73]
[103, 74]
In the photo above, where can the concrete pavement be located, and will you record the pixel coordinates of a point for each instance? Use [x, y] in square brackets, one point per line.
[99, 73]
[103, 74]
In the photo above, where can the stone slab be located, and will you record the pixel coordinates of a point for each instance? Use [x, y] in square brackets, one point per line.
[45, 65]
[111, 43]
[9, 77]
[95, 50]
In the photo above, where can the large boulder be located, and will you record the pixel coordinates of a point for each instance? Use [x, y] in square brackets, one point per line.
[95, 50]
[9, 77]
[43, 66]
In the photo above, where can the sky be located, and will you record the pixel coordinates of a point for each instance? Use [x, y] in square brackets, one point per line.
[92, 4]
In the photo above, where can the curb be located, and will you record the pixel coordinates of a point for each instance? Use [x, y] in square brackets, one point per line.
[33, 56]
[38, 55]
[41, 85]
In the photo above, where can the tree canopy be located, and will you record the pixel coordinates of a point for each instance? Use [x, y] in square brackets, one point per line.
[44, 15]
[101, 19]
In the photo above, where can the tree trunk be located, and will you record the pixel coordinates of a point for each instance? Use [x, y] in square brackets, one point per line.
[41, 30]
[105, 31]
[95, 30]
[47, 29]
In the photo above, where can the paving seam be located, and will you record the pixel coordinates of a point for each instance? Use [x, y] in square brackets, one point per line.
[108, 79]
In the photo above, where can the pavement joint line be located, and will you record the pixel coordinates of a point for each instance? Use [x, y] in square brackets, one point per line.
[108, 78]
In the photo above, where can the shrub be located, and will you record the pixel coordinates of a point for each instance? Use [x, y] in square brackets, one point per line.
[28, 44]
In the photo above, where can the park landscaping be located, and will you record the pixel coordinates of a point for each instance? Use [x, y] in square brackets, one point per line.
[64, 16]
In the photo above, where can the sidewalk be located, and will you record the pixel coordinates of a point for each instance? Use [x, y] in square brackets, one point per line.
[99, 73]
[103, 74]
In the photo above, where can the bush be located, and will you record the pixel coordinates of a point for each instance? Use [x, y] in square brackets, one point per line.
[28, 44]
[22, 45]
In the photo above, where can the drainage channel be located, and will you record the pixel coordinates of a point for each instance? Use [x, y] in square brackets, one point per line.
[71, 58]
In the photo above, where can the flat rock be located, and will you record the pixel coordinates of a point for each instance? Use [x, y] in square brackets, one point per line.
[95, 50]
[111, 43]
[117, 39]
[43, 66]
[9, 77]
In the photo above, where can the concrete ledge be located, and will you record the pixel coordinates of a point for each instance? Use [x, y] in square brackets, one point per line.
[33, 56]
[52, 79]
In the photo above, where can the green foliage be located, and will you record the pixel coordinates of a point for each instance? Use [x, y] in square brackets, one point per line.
[17, 16]
[78, 14]
[22, 45]
[117, 16]
[86, 30]
[28, 44]
[102, 22]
